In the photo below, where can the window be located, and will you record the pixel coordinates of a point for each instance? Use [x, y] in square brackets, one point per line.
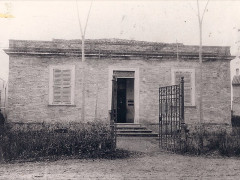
[61, 85]
[189, 84]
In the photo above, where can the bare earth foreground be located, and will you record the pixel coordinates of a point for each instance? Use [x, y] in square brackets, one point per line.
[157, 165]
[152, 164]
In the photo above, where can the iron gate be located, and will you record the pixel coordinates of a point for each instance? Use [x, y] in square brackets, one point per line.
[171, 115]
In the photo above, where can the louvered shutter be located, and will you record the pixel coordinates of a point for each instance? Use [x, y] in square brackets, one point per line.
[61, 86]
[187, 84]
[66, 86]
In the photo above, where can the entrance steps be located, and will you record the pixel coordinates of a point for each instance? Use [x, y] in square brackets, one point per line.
[134, 130]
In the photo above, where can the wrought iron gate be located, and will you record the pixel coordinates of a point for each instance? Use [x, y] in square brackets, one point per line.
[171, 115]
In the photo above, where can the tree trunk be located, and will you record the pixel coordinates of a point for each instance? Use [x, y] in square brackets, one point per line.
[83, 80]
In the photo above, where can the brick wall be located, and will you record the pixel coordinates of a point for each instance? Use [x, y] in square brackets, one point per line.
[29, 87]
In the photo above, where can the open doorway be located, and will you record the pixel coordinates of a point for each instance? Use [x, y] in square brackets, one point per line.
[125, 100]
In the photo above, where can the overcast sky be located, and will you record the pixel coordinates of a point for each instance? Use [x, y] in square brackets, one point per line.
[160, 21]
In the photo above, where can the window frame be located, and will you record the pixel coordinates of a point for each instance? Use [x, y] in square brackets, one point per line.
[61, 67]
[193, 84]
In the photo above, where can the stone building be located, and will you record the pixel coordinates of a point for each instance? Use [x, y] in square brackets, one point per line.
[45, 80]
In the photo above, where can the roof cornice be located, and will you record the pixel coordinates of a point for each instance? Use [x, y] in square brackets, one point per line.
[115, 49]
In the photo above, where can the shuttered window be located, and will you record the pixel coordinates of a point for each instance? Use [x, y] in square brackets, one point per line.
[62, 85]
[189, 84]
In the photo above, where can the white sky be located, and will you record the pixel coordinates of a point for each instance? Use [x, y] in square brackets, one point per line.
[161, 21]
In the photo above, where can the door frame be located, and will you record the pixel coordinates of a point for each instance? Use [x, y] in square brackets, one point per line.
[136, 88]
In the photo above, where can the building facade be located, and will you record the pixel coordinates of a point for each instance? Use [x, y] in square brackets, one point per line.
[47, 78]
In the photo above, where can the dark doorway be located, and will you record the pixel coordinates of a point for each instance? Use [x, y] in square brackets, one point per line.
[121, 100]
[125, 100]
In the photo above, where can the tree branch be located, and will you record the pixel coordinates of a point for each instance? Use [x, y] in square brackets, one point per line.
[87, 18]
[199, 19]
[204, 10]
[79, 22]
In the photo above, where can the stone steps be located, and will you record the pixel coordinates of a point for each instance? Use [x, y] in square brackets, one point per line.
[131, 128]
[128, 125]
[134, 130]
[138, 134]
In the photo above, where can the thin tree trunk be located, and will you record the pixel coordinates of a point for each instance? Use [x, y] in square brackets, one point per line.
[83, 80]
[200, 90]
[96, 104]
[201, 84]
[201, 122]
[83, 33]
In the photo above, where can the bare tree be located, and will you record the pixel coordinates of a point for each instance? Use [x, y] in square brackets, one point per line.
[83, 34]
[200, 22]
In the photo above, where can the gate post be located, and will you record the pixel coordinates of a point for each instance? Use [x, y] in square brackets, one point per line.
[184, 129]
[112, 130]
[182, 100]
[112, 115]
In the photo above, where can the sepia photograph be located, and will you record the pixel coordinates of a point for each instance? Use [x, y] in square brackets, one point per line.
[119, 89]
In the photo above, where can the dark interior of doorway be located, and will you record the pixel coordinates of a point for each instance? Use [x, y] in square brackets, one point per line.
[121, 100]
[125, 100]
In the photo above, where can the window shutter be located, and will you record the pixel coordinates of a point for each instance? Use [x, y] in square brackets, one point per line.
[66, 86]
[61, 86]
[187, 85]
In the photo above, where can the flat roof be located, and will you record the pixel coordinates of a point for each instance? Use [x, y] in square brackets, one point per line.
[115, 48]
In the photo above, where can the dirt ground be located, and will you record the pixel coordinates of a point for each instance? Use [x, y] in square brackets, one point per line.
[157, 165]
